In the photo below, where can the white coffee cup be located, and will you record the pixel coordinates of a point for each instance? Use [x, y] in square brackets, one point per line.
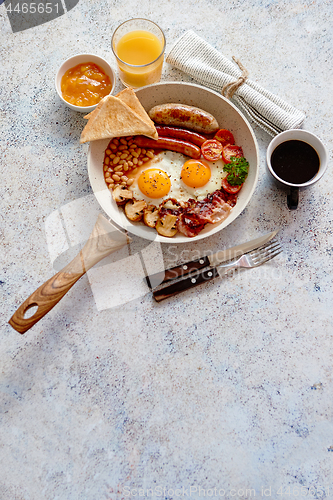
[317, 145]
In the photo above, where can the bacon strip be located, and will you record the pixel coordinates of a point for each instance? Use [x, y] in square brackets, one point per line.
[214, 208]
[189, 224]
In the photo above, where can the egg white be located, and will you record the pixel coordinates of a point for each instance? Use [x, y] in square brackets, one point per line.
[172, 163]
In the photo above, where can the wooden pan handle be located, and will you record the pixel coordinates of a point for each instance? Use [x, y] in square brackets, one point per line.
[104, 239]
[45, 298]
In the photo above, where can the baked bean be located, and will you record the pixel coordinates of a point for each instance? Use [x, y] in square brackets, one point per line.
[121, 157]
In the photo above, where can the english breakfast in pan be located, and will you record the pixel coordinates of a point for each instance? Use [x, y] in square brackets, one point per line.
[171, 168]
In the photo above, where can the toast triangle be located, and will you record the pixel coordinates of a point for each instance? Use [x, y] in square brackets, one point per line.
[115, 118]
[128, 96]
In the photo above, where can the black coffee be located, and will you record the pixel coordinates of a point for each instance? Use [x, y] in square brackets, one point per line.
[295, 161]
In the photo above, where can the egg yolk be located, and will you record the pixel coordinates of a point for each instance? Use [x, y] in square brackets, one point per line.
[195, 173]
[154, 183]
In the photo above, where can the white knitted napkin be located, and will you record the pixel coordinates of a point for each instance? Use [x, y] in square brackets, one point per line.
[208, 66]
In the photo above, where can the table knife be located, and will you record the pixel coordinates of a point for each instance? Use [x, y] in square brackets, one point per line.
[214, 260]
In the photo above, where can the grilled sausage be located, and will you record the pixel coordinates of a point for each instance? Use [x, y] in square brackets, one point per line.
[181, 115]
[181, 133]
[184, 147]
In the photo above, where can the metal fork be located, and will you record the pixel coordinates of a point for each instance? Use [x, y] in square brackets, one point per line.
[249, 260]
[254, 258]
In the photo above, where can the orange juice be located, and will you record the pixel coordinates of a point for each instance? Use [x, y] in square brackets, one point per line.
[141, 58]
[139, 47]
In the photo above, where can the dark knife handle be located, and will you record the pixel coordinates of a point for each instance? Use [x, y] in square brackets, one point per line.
[185, 284]
[173, 273]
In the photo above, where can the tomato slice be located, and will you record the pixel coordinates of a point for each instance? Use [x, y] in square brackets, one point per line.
[211, 150]
[224, 136]
[231, 150]
[229, 188]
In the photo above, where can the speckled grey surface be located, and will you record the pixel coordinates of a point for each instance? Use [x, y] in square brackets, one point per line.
[224, 391]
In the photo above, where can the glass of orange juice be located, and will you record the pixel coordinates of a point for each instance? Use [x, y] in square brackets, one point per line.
[139, 45]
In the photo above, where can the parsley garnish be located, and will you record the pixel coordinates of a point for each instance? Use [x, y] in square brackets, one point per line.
[238, 169]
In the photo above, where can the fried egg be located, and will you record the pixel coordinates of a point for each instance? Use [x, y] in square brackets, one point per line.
[174, 175]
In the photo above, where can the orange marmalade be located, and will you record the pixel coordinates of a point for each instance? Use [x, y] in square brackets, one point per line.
[85, 85]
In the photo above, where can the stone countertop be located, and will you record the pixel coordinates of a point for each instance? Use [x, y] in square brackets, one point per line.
[222, 391]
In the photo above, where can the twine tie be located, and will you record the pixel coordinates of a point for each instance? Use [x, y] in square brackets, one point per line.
[229, 89]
